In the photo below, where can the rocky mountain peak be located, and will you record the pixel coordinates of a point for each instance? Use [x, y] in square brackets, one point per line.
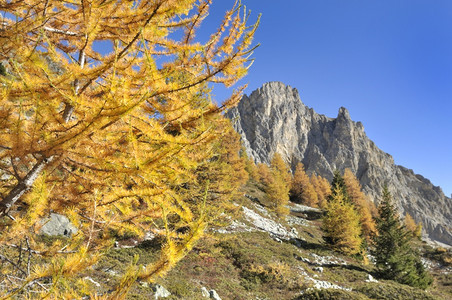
[273, 119]
[343, 114]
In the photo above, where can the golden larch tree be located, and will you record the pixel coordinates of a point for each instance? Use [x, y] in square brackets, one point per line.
[361, 202]
[120, 142]
[278, 188]
[322, 188]
[341, 224]
[250, 166]
[411, 226]
[301, 189]
[264, 174]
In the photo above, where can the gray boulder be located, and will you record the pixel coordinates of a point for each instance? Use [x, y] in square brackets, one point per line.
[56, 225]
[214, 295]
[160, 291]
[204, 292]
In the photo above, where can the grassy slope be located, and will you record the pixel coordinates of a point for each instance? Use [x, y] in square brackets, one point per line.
[253, 265]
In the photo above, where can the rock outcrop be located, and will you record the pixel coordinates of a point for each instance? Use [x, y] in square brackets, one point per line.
[273, 119]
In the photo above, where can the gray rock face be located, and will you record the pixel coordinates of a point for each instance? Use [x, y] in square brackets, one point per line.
[273, 119]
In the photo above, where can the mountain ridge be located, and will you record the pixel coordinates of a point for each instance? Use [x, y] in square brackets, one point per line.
[274, 119]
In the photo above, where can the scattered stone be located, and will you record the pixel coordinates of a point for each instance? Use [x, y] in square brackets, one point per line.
[327, 260]
[320, 284]
[56, 225]
[318, 269]
[214, 295]
[267, 225]
[112, 272]
[149, 236]
[299, 208]
[303, 259]
[205, 293]
[160, 291]
[275, 238]
[92, 281]
[292, 220]
[370, 278]
[261, 209]
[235, 226]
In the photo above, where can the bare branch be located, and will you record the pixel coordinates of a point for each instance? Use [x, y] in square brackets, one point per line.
[65, 32]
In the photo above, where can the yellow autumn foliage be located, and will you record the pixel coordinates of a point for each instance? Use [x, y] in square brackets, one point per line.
[279, 185]
[412, 226]
[302, 190]
[106, 117]
[361, 202]
[341, 225]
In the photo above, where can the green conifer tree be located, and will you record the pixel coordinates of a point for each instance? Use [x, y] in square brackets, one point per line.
[338, 183]
[395, 258]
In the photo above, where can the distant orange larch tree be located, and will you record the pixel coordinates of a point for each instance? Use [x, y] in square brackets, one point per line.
[361, 202]
[302, 190]
[322, 188]
[278, 188]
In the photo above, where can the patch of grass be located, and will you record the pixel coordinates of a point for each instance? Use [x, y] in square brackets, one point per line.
[387, 290]
[263, 262]
[331, 294]
[346, 273]
[442, 286]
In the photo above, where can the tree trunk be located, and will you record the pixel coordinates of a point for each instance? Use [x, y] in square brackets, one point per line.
[23, 185]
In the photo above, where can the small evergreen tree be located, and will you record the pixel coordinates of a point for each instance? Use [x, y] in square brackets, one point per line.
[338, 183]
[394, 255]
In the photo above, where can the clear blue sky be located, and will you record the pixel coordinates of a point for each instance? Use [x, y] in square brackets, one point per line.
[389, 62]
